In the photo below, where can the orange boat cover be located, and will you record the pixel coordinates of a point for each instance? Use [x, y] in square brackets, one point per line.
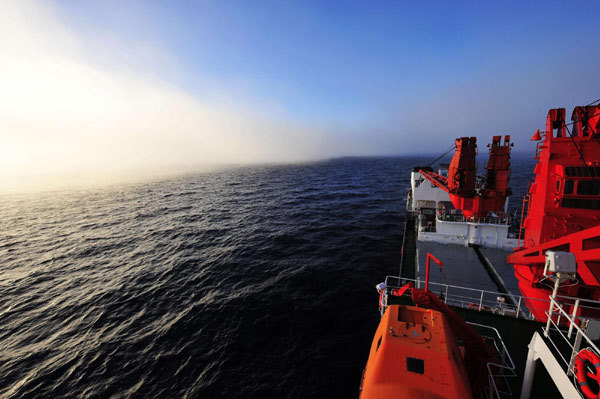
[414, 355]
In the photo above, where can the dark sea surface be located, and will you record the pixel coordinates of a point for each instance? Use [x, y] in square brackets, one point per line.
[255, 282]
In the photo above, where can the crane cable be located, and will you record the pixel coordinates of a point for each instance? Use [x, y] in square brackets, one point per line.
[566, 125]
[441, 156]
[576, 146]
[594, 135]
[593, 102]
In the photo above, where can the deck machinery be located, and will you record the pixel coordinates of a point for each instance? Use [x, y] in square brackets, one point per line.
[461, 181]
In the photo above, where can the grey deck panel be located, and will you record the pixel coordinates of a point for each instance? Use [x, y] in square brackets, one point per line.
[461, 266]
[498, 258]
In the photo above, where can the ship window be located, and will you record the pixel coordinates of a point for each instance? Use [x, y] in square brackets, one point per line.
[415, 365]
[569, 184]
[580, 203]
[581, 171]
[569, 171]
[588, 187]
[378, 343]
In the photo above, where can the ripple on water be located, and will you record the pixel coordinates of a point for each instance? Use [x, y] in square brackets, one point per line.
[254, 282]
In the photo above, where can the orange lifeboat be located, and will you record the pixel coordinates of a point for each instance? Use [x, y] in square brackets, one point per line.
[414, 355]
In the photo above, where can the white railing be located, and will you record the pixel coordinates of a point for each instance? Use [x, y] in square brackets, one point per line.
[490, 301]
[460, 218]
[560, 361]
[571, 321]
[498, 373]
[472, 298]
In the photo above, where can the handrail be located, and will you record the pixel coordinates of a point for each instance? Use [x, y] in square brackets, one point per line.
[507, 363]
[502, 221]
[571, 321]
[467, 297]
[480, 298]
[539, 348]
[570, 298]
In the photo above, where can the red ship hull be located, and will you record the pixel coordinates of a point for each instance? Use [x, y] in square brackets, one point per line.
[563, 212]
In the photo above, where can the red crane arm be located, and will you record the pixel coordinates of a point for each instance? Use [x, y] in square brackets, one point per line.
[585, 245]
[437, 179]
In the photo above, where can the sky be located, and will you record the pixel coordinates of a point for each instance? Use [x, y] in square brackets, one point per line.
[95, 91]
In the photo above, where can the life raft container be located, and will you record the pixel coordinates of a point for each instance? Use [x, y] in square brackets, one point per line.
[587, 358]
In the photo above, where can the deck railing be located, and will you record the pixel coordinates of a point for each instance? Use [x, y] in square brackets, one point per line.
[498, 373]
[570, 321]
[490, 301]
[472, 298]
[445, 217]
[559, 349]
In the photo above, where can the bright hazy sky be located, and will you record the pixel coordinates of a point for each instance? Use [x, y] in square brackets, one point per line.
[109, 88]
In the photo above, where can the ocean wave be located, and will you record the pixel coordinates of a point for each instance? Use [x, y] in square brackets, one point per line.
[249, 282]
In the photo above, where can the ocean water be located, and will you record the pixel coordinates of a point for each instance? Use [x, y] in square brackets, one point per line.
[255, 282]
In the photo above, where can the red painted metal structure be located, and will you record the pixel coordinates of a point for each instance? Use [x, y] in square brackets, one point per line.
[436, 260]
[476, 200]
[563, 207]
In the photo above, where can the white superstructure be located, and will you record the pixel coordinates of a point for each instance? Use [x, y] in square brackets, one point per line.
[438, 221]
[424, 193]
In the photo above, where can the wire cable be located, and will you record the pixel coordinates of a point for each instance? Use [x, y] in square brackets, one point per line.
[593, 102]
[593, 134]
[441, 156]
[591, 116]
[576, 146]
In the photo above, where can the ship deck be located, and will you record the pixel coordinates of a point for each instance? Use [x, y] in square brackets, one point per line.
[487, 270]
[466, 266]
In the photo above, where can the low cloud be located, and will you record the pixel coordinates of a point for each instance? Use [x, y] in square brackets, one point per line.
[98, 108]
[61, 114]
